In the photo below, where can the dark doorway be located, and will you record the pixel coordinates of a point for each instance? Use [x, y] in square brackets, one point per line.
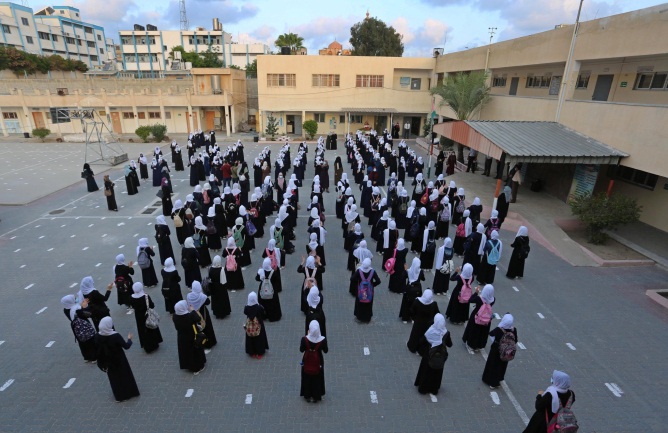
[415, 126]
[514, 82]
[602, 89]
[379, 124]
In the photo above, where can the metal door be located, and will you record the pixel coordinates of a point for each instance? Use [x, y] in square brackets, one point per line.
[298, 125]
[208, 120]
[514, 82]
[116, 122]
[38, 117]
[602, 88]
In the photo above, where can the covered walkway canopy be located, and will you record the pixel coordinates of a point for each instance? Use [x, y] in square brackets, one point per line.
[530, 142]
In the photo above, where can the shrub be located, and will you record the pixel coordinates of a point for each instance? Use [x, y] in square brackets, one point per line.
[41, 133]
[143, 132]
[599, 212]
[159, 131]
[272, 127]
[311, 128]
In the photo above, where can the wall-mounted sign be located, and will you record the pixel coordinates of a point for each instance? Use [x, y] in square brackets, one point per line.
[405, 81]
[623, 84]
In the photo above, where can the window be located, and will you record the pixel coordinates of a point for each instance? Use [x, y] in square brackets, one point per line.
[79, 42]
[6, 29]
[9, 115]
[342, 118]
[90, 44]
[355, 118]
[582, 82]
[128, 115]
[125, 40]
[326, 80]
[415, 83]
[99, 37]
[102, 113]
[44, 36]
[281, 80]
[141, 115]
[168, 115]
[93, 58]
[369, 81]
[70, 40]
[62, 91]
[29, 40]
[54, 38]
[499, 81]
[631, 175]
[652, 81]
[88, 30]
[439, 78]
[319, 117]
[539, 82]
[101, 51]
[154, 115]
[24, 21]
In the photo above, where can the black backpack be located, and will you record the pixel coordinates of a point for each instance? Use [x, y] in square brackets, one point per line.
[437, 357]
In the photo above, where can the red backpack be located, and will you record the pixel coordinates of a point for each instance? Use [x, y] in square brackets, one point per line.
[311, 360]
[465, 292]
[272, 257]
[461, 231]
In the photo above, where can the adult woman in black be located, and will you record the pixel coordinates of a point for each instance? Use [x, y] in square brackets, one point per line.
[111, 359]
[149, 339]
[313, 375]
[437, 338]
[220, 300]
[166, 199]
[186, 319]
[422, 312]
[520, 253]
[148, 275]
[458, 312]
[88, 174]
[190, 262]
[109, 193]
[272, 305]
[475, 334]
[495, 367]
[171, 290]
[162, 233]
[397, 282]
[233, 274]
[143, 167]
[311, 268]
[198, 300]
[413, 289]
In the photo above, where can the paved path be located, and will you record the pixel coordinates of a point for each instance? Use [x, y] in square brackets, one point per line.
[616, 336]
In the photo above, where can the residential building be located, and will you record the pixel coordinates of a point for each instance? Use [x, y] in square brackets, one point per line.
[146, 50]
[53, 30]
[343, 93]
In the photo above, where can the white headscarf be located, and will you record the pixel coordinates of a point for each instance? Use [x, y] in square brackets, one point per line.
[495, 214]
[181, 308]
[266, 267]
[178, 204]
[366, 265]
[487, 294]
[358, 229]
[468, 223]
[310, 262]
[190, 243]
[217, 262]
[523, 231]
[352, 215]
[507, 322]
[481, 229]
[169, 265]
[138, 289]
[476, 201]
[313, 238]
[314, 335]
[252, 299]
[106, 326]
[314, 213]
[427, 297]
[411, 208]
[362, 252]
[401, 244]
[414, 270]
[460, 192]
[196, 298]
[560, 383]
[391, 226]
[467, 271]
[440, 253]
[437, 331]
[87, 285]
[313, 297]
[143, 243]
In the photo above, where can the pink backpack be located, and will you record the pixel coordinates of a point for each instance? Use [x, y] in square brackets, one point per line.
[231, 260]
[272, 257]
[465, 292]
[389, 264]
[484, 315]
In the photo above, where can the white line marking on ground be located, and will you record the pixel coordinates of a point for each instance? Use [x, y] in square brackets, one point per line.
[120, 224]
[6, 385]
[73, 285]
[521, 346]
[28, 286]
[98, 265]
[76, 217]
[73, 236]
[50, 249]
[49, 344]
[22, 266]
[38, 226]
[91, 225]
[130, 312]
[516, 289]
[17, 250]
[496, 316]
[61, 265]
[374, 397]
[495, 398]
[42, 237]
[189, 393]
[137, 234]
[69, 383]
[63, 226]
[249, 398]
[570, 346]
[104, 235]
[366, 351]
[103, 218]
[13, 237]
[614, 389]
[84, 248]
[42, 310]
[540, 315]
[433, 398]
[2, 342]
[511, 397]
[149, 224]
[122, 246]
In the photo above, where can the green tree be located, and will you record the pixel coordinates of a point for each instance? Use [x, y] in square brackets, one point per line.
[372, 37]
[291, 40]
[41, 133]
[599, 212]
[203, 59]
[465, 94]
[311, 128]
[251, 69]
[272, 127]
[143, 132]
[158, 131]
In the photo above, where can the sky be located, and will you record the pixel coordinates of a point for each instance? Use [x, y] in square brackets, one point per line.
[424, 24]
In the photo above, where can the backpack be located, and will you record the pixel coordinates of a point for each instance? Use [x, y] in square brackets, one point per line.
[238, 238]
[564, 420]
[492, 227]
[389, 264]
[434, 206]
[437, 357]
[403, 208]
[253, 327]
[461, 206]
[250, 228]
[415, 228]
[266, 288]
[461, 231]
[311, 360]
[143, 260]
[152, 317]
[278, 237]
[122, 284]
[178, 222]
[484, 315]
[448, 267]
[445, 215]
[230, 260]
[205, 197]
[206, 286]
[465, 292]
[425, 198]
[524, 250]
[507, 346]
[493, 255]
[253, 212]
[365, 289]
[210, 227]
[430, 248]
[197, 240]
[83, 330]
[419, 187]
[265, 190]
[272, 257]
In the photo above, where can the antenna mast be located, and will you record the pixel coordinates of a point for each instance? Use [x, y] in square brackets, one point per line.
[184, 17]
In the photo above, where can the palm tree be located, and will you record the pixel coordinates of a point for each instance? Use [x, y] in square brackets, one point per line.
[291, 40]
[465, 94]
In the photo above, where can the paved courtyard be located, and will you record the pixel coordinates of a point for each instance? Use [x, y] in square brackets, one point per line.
[594, 323]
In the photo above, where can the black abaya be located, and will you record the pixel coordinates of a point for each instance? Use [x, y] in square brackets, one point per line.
[271, 306]
[429, 380]
[148, 275]
[423, 318]
[149, 339]
[516, 264]
[165, 250]
[364, 310]
[220, 300]
[475, 336]
[456, 311]
[256, 345]
[495, 368]
[171, 290]
[111, 356]
[313, 386]
[190, 357]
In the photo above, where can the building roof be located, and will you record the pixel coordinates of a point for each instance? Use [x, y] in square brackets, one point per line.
[537, 142]
[369, 110]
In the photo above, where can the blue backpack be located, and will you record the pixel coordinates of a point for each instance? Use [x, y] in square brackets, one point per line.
[493, 255]
[365, 288]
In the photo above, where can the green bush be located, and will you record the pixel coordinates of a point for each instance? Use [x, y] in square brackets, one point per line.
[143, 132]
[599, 212]
[41, 133]
[311, 128]
[158, 131]
[272, 127]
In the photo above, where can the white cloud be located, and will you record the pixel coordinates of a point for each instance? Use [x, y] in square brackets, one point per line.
[420, 40]
[402, 27]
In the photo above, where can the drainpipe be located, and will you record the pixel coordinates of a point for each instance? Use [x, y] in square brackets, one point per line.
[567, 69]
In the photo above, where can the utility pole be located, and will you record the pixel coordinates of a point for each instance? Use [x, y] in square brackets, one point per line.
[183, 16]
[567, 69]
[492, 31]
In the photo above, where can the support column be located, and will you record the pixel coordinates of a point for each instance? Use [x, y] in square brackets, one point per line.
[232, 116]
[4, 129]
[190, 118]
[303, 120]
[162, 107]
[26, 113]
[226, 111]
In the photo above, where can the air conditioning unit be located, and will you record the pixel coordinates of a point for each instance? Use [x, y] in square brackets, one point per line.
[189, 65]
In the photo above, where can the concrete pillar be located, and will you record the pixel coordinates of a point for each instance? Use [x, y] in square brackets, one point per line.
[27, 125]
[568, 84]
[232, 117]
[162, 107]
[303, 120]
[190, 118]
[226, 112]
[4, 130]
